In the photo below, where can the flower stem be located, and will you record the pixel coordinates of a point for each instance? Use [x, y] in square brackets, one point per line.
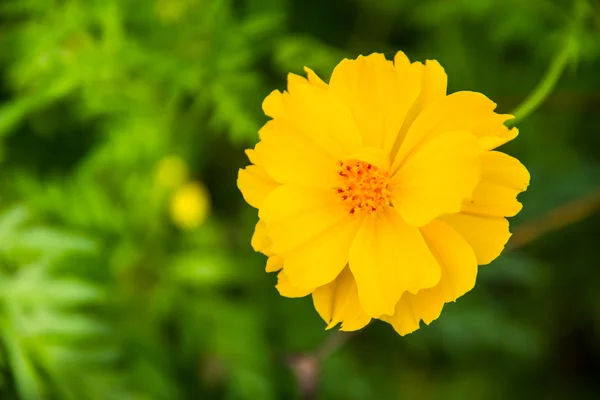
[556, 219]
[544, 88]
[306, 367]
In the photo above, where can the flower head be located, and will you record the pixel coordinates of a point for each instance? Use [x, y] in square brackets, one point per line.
[378, 193]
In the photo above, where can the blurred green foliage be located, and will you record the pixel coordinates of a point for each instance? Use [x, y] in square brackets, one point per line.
[102, 296]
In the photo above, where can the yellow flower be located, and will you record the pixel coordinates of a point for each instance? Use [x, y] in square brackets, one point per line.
[378, 193]
[190, 205]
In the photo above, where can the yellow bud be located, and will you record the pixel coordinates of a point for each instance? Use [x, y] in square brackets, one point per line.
[171, 172]
[190, 205]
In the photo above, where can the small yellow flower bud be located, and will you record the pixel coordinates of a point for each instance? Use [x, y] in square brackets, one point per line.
[190, 206]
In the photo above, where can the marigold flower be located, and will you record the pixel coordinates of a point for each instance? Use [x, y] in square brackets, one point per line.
[378, 193]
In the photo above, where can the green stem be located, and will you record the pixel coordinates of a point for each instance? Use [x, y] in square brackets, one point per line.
[544, 88]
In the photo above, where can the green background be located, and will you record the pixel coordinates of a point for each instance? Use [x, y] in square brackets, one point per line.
[103, 297]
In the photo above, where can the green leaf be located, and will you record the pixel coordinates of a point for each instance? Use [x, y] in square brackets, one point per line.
[10, 221]
[27, 381]
[47, 240]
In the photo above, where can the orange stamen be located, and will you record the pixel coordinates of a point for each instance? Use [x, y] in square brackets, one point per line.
[363, 187]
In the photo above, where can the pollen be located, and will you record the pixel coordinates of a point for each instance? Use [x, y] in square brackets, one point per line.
[363, 187]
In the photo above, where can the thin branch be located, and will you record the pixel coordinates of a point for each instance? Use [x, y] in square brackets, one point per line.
[306, 367]
[332, 343]
[544, 88]
[555, 220]
[568, 53]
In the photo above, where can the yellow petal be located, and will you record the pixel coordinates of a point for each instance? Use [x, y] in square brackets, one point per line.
[373, 156]
[503, 178]
[321, 117]
[338, 302]
[434, 83]
[408, 74]
[387, 258]
[487, 236]
[461, 111]
[314, 78]
[378, 100]
[274, 263]
[253, 156]
[401, 62]
[286, 289]
[403, 318]
[431, 77]
[457, 261]
[458, 272]
[289, 157]
[431, 80]
[260, 241]
[437, 177]
[274, 104]
[255, 184]
[294, 215]
[492, 132]
[320, 260]
[293, 81]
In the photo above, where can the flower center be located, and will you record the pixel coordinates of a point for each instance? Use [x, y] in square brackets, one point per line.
[363, 187]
